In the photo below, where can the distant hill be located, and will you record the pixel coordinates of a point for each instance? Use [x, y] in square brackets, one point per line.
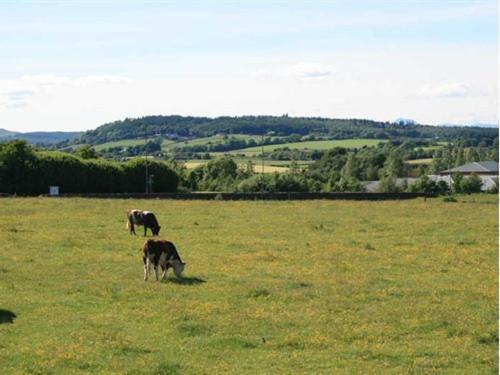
[196, 127]
[486, 125]
[478, 125]
[43, 138]
[6, 133]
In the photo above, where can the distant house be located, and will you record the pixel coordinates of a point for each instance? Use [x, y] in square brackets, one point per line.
[481, 168]
[372, 186]
[487, 171]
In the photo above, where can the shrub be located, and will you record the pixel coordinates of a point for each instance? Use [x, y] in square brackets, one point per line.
[494, 189]
[471, 184]
[388, 185]
[257, 183]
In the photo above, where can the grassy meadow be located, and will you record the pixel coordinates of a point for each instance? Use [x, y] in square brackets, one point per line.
[308, 145]
[269, 165]
[424, 161]
[123, 143]
[314, 287]
[209, 140]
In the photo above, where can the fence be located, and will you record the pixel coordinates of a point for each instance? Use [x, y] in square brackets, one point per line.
[255, 196]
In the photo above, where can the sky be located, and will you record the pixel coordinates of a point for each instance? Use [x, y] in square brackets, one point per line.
[75, 65]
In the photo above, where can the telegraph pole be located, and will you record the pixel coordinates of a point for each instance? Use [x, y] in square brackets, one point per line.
[262, 155]
[146, 162]
[449, 169]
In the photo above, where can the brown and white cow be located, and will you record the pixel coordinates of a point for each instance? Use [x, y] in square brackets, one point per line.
[164, 254]
[145, 218]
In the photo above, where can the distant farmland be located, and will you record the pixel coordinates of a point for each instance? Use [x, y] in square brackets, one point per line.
[129, 143]
[216, 139]
[425, 161]
[310, 145]
[269, 165]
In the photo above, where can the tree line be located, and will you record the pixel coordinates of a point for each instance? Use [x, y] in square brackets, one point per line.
[196, 127]
[340, 170]
[26, 170]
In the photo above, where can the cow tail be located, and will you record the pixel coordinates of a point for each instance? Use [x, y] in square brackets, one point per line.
[130, 224]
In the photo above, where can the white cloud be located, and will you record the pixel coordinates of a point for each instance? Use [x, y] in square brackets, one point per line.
[102, 79]
[16, 93]
[15, 98]
[301, 71]
[306, 70]
[445, 90]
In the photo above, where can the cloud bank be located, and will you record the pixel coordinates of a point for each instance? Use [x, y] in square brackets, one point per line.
[445, 90]
[17, 93]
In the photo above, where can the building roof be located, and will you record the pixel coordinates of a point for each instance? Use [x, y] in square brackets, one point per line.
[475, 167]
[371, 186]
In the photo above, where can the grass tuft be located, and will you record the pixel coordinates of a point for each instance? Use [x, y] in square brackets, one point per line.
[260, 292]
[489, 339]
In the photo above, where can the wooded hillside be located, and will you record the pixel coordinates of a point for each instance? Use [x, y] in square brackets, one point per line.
[194, 127]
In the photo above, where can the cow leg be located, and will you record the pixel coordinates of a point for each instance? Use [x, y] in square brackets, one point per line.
[130, 226]
[145, 230]
[165, 269]
[146, 268]
[157, 273]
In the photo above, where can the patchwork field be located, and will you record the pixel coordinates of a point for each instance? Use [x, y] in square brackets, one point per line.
[209, 140]
[270, 287]
[310, 145]
[269, 166]
[420, 161]
[123, 143]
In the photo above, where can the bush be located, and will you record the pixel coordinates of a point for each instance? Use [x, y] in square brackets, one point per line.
[494, 188]
[257, 183]
[425, 185]
[277, 182]
[388, 185]
[290, 182]
[471, 184]
[456, 182]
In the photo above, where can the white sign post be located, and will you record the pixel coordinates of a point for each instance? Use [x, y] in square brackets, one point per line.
[54, 190]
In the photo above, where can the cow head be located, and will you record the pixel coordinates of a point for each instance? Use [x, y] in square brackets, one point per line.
[178, 267]
[156, 231]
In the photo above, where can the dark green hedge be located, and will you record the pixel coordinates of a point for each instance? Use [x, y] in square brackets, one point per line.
[24, 171]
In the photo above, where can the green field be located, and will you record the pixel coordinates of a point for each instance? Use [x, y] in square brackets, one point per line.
[310, 145]
[127, 143]
[270, 166]
[425, 161]
[210, 140]
[433, 148]
[276, 163]
[314, 287]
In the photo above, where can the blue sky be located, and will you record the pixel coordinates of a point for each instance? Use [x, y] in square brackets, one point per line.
[74, 65]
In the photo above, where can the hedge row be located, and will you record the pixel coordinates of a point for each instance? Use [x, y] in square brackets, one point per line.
[28, 172]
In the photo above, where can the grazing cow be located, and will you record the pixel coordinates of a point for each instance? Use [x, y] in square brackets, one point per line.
[163, 253]
[144, 218]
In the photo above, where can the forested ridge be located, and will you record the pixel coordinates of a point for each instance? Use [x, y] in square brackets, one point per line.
[194, 127]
